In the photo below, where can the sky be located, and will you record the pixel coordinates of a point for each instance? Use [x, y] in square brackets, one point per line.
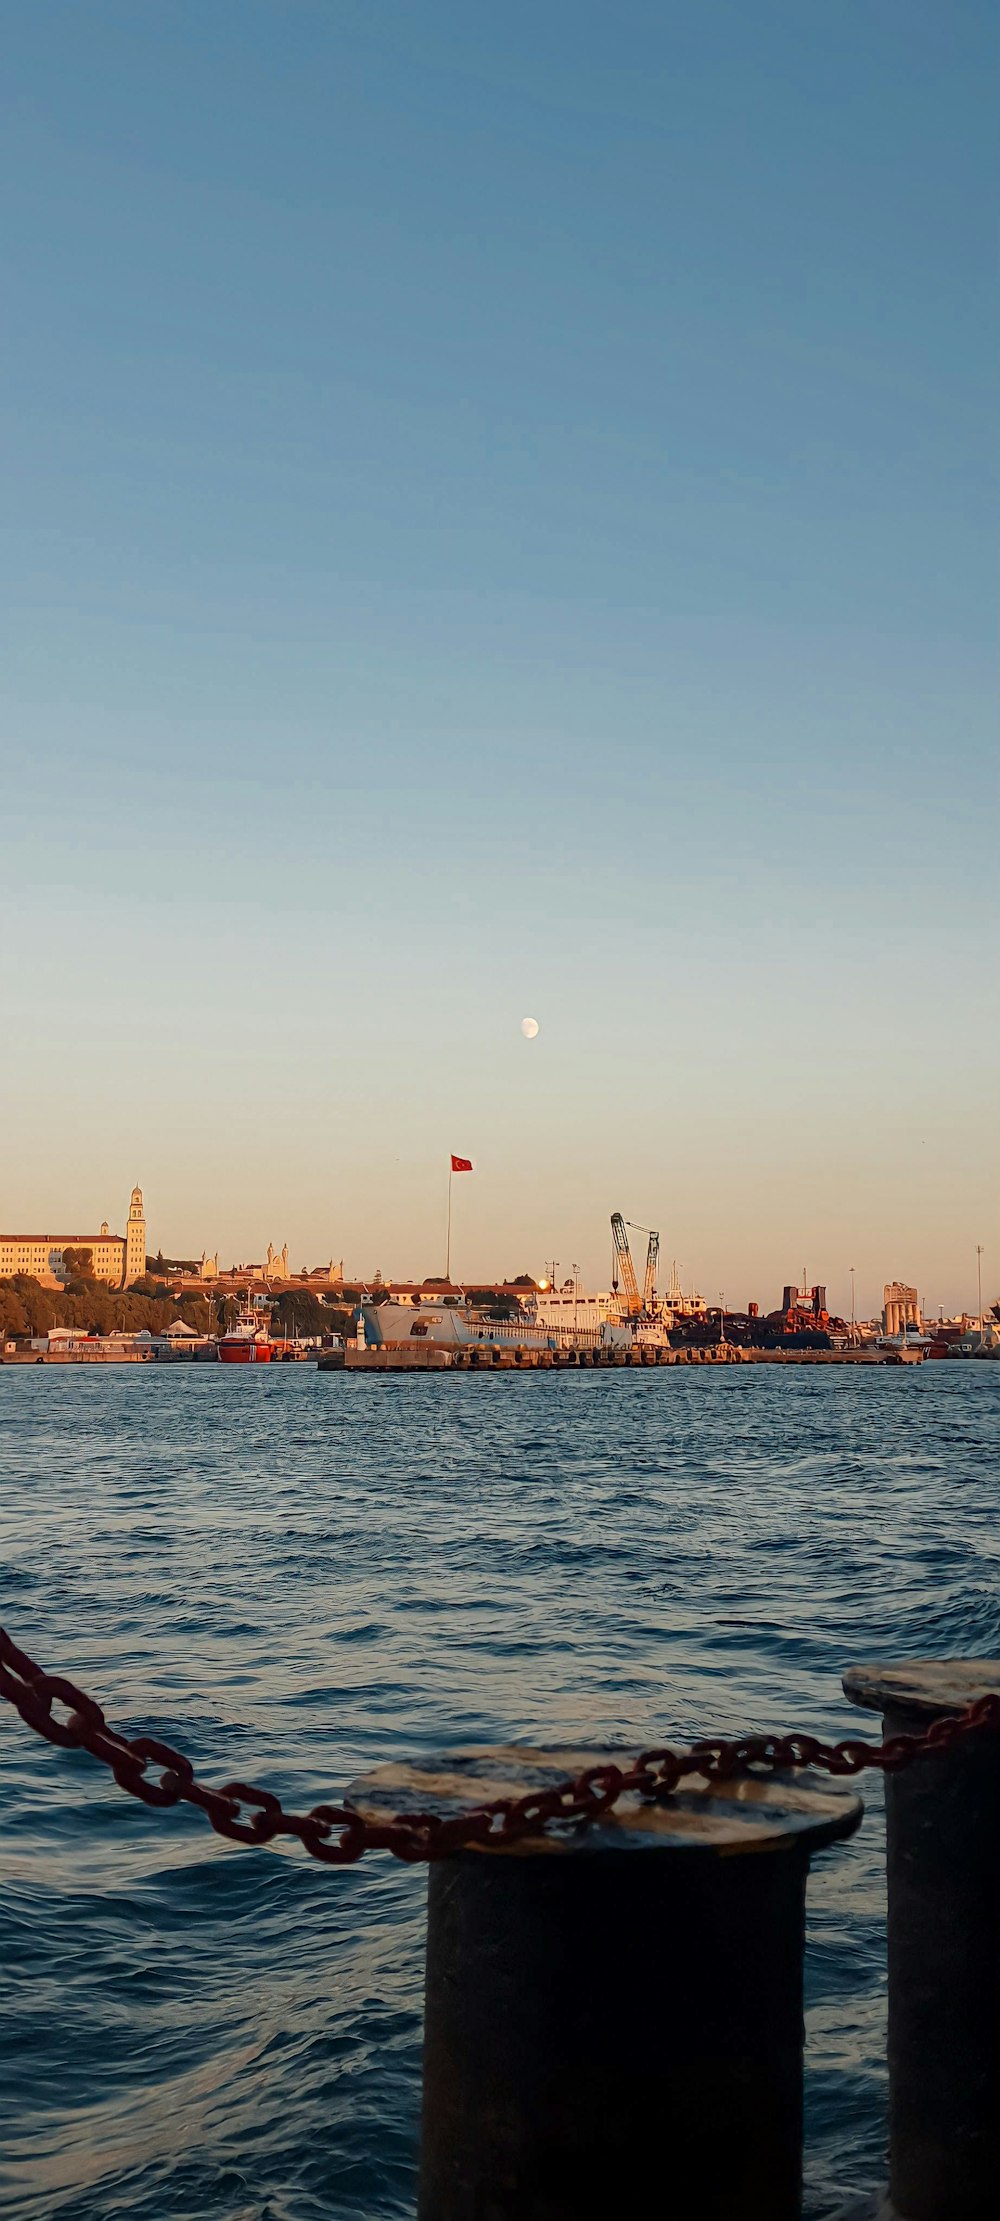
[500, 520]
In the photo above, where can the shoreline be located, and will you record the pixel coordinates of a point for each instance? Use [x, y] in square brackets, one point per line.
[436, 1358]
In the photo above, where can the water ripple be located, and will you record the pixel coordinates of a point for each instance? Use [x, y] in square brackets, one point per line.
[293, 1576]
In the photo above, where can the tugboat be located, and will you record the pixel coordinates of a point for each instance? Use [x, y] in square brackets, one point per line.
[246, 1343]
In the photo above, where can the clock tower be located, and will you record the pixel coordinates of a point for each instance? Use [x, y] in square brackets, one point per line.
[135, 1240]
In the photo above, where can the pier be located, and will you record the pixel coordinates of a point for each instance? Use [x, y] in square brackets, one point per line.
[431, 1357]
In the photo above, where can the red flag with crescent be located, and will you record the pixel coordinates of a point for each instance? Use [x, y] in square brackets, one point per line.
[461, 1164]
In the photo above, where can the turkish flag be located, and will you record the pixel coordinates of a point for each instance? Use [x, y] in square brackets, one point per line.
[461, 1164]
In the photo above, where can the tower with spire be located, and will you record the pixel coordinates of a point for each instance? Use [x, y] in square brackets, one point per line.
[135, 1240]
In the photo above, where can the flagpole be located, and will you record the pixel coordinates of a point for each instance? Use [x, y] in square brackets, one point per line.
[447, 1267]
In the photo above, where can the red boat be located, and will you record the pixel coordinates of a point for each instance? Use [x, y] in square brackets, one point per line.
[246, 1343]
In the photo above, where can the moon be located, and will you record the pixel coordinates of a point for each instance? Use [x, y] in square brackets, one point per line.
[529, 1028]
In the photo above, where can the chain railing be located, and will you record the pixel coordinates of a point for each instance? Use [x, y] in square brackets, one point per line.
[159, 1775]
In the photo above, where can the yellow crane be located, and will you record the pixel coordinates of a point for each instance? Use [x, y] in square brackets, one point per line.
[636, 1305]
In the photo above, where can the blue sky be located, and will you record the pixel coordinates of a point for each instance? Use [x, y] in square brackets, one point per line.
[499, 519]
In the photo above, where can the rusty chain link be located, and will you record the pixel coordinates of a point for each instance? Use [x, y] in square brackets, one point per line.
[338, 1836]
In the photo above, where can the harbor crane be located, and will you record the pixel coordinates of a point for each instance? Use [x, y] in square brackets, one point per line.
[636, 1306]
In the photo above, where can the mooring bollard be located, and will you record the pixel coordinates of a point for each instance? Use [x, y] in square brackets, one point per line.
[943, 1870]
[613, 2012]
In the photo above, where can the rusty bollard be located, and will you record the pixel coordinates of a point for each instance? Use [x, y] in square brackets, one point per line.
[613, 2012]
[943, 1871]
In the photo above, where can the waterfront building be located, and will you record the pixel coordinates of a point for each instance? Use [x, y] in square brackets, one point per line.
[273, 1273]
[900, 1308]
[273, 1267]
[116, 1258]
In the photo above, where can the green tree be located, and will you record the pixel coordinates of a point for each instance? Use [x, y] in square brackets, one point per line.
[13, 1316]
[496, 1307]
[197, 1311]
[338, 1321]
[298, 1312]
[40, 1306]
[79, 1263]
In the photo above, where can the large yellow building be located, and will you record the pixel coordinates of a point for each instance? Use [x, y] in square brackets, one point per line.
[900, 1307]
[117, 1258]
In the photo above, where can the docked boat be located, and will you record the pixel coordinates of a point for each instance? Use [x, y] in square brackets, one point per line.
[909, 1347]
[406, 1319]
[248, 1342]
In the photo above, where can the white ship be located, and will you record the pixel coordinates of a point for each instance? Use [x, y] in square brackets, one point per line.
[572, 1313]
[519, 1322]
[520, 1315]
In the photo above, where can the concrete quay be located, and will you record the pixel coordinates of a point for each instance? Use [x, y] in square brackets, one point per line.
[431, 1357]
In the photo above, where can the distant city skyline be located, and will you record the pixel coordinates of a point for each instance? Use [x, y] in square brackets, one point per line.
[498, 521]
[401, 1262]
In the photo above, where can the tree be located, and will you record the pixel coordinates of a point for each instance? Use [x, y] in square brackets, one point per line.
[198, 1311]
[298, 1312]
[79, 1264]
[40, 1307]
[13, 1316]
[25, 1307]
[496, 1307]
[339, 1322]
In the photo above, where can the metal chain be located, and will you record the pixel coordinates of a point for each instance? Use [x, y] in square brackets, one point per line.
[159, 1775]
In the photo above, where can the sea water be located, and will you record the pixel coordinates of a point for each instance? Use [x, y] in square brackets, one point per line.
[293, 1575]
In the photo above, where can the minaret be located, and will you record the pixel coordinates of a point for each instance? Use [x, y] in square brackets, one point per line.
[135, 1240]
